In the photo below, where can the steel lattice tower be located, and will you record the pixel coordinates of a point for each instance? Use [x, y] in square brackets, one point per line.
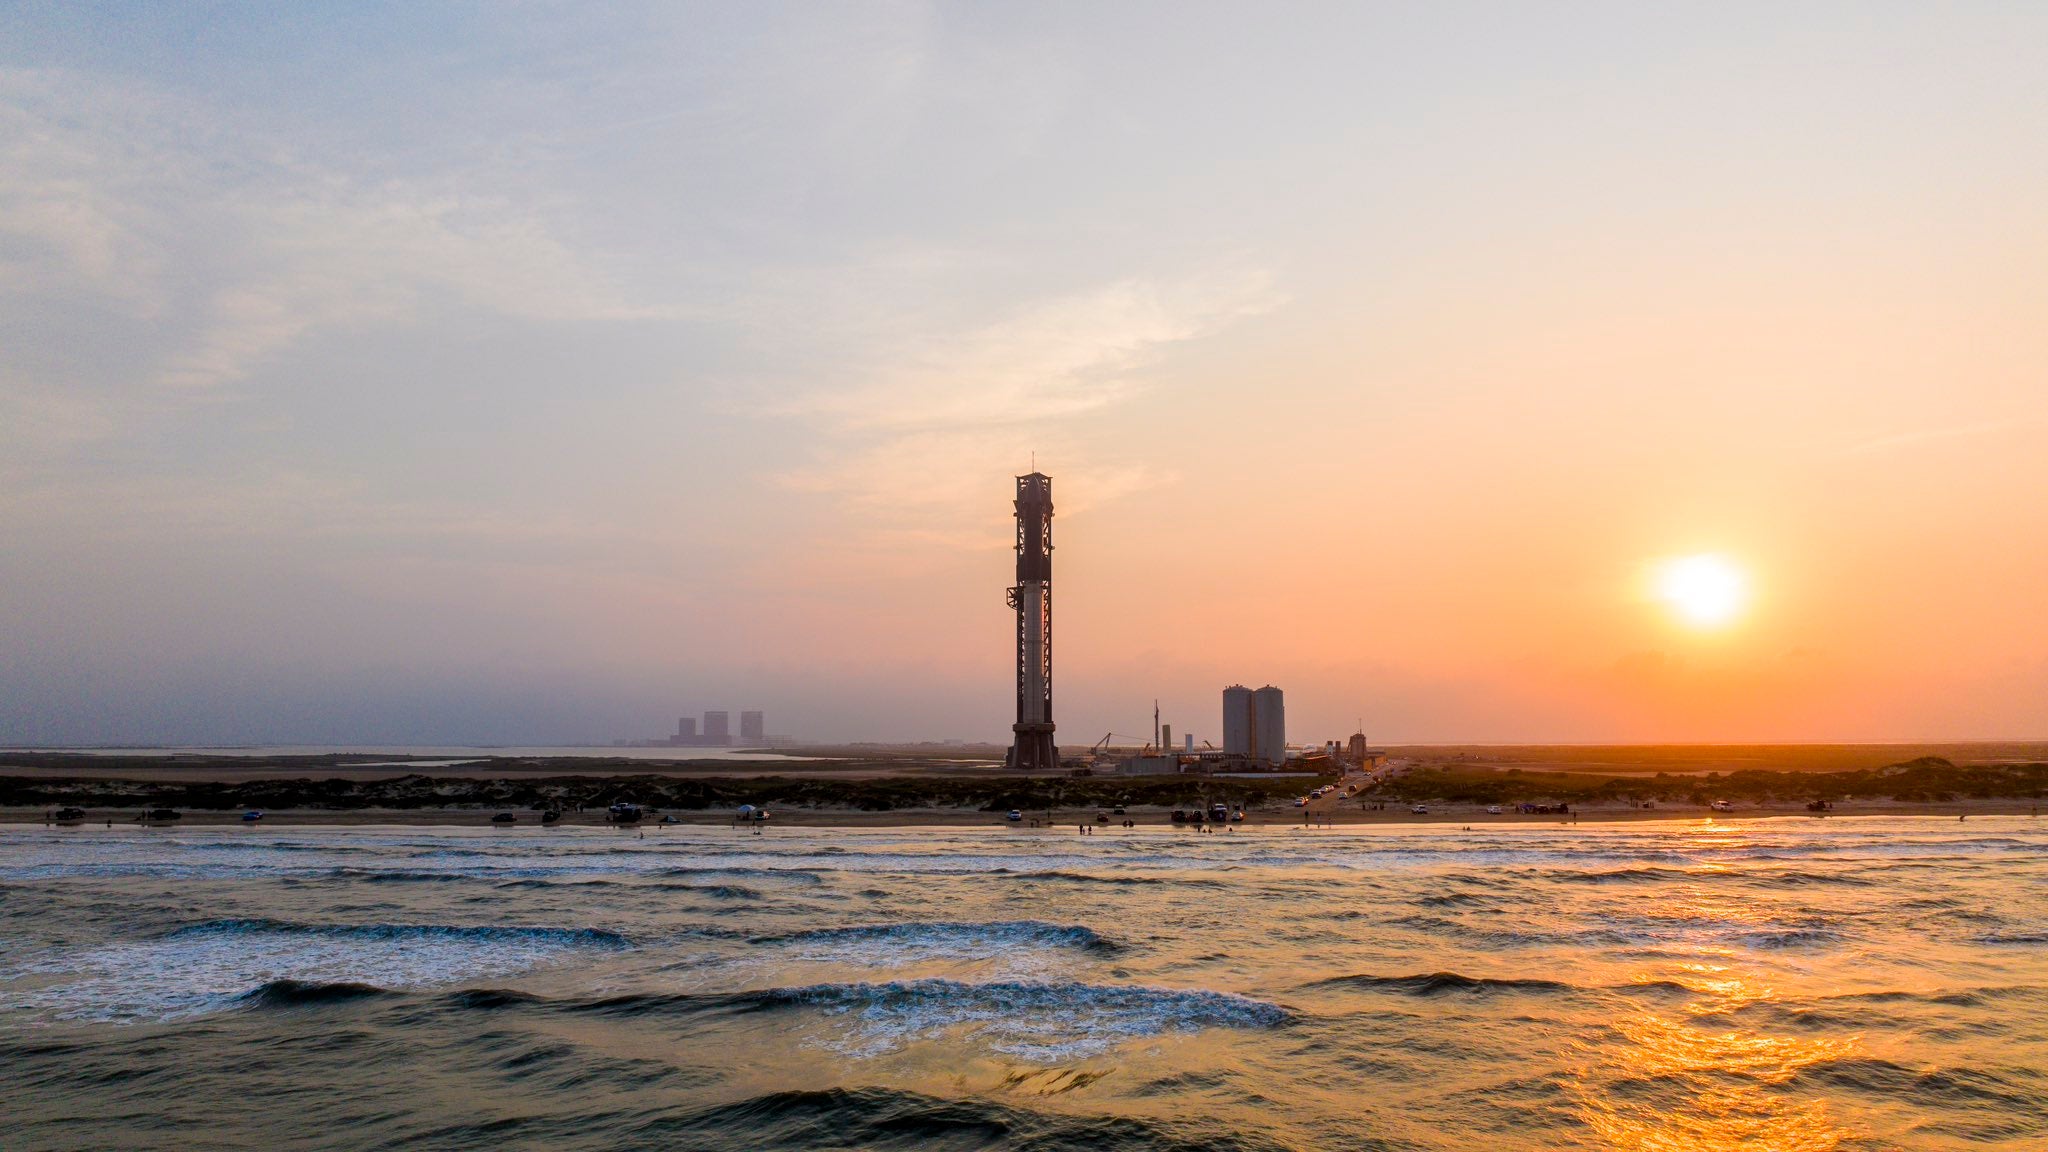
[1033, 747]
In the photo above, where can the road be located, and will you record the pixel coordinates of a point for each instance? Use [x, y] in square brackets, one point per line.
[1353, 781]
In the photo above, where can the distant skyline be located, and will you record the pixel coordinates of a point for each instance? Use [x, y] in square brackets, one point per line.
[522, 375]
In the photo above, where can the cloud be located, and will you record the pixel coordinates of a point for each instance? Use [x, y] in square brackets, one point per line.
[915, 439]
[244, 244]
[1058, 358]
[338, 256]
[71, 188]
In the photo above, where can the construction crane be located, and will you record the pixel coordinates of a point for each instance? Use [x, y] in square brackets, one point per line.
[1101, 747]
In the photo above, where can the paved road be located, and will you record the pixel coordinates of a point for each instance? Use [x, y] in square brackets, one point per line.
[1356, 780]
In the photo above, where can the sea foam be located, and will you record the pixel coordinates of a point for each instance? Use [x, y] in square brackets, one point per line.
[213, 965]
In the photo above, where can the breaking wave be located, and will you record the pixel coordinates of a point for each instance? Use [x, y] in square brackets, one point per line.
[1029, 1019]
[404, 933]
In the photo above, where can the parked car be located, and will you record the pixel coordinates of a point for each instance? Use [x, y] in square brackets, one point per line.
[1420, 809]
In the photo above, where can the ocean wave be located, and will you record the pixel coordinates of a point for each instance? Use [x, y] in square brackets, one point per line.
[799, 875]
[1955, 1086]
[2013, 938]
[288, 993]
[394, 876]
[950, 938]
[215, 965]
[1615, 875]
[1028, 1019]
[1087, 877]
[1442, 983]
[1789, 938]
[892, 1118]
[481, 934]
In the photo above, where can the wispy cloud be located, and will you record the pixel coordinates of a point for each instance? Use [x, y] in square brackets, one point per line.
[71, 188]
[1055, 359]
[911, 442]
[248, 246]
[341, 256]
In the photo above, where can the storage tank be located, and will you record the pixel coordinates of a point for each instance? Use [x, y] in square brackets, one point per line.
[1269, 725]
[1237, 720]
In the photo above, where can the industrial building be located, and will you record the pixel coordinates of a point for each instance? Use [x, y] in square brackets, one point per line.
[716, 732]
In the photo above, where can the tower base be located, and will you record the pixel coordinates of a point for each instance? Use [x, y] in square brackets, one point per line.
[1033, 749]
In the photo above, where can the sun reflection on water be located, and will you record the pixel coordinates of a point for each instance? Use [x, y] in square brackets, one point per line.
[1664, 1084]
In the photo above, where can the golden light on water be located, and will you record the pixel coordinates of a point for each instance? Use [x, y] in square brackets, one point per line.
[1703, 1090]
[1699, 1079]
[1705, 590]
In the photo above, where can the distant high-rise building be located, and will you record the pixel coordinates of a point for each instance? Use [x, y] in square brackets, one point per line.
[686, 727]
[717, 727]
[751, 727]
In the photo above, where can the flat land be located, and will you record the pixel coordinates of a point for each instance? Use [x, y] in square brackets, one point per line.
[1699, 759]
[873, 785]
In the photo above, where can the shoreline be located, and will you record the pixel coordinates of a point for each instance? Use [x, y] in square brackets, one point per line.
[1062, 820]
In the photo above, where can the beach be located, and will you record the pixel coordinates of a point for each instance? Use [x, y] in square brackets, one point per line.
[1058, 819]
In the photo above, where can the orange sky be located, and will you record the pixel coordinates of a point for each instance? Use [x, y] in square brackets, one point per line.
[408, 380]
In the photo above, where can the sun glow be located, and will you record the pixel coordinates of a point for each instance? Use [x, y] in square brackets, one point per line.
[1707, 591]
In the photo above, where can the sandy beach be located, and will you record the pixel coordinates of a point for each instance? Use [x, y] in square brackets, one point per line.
[1065, 820]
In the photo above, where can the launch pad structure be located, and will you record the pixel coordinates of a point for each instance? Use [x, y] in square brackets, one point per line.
[1033, 747]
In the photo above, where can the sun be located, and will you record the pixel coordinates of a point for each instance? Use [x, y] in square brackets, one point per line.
[1707, 591]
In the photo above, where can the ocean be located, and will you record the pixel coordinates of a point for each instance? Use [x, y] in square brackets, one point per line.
[1789, 985]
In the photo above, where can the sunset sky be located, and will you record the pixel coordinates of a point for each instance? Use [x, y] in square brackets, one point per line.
[524, 373]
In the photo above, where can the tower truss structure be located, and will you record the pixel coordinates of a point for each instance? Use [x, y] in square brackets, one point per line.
[1032, 747]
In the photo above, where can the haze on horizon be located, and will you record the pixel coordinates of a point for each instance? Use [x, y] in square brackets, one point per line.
[535, 374]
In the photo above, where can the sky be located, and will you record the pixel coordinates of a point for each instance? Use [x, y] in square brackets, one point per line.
[536, 373]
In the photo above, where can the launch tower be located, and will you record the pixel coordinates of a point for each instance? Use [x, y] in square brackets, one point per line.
[1033, 747]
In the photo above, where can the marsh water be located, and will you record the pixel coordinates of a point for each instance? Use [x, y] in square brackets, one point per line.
[1790, 985]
